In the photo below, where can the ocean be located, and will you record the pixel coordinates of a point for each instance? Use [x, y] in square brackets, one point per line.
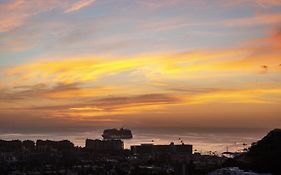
[205, 141]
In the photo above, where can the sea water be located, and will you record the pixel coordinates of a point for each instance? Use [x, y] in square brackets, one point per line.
[203, 141]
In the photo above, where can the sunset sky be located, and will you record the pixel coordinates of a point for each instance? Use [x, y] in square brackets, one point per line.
[73, 65]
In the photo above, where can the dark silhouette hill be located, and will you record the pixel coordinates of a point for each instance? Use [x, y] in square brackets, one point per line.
[263, 155]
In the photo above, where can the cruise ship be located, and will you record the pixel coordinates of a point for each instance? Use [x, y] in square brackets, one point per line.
[121, 133]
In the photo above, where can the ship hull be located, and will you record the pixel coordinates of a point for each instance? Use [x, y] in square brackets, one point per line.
[117, 134]
[116, 137]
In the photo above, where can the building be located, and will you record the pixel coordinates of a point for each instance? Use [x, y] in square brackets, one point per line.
[162, 149]
[28, 145]
[48, 145]
[179, 156]
[104, 145]
[10, 146]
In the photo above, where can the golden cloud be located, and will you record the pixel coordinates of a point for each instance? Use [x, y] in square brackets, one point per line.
[78, 5]
[259, 19]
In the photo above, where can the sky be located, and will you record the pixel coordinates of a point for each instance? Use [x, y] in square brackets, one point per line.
[74, 65]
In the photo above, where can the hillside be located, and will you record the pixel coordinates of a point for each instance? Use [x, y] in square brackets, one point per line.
[263, 156]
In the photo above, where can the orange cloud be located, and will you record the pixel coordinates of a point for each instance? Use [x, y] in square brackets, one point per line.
[15, 13]
[190, 65]
[259, 3]
[71, 71]
[274, 40]
[77, 92]
[268, 2]
[78, 5]
[107, 106]
[236, 96]
[60, 91]
[126, 86]
[259, 19]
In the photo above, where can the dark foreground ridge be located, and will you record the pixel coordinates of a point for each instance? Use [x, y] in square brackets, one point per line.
[262, 156]
[108, 157]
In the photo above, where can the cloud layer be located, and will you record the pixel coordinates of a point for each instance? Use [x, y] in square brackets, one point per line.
[77, 64]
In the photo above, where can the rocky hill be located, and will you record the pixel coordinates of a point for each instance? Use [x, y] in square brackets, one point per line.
[263, 156]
